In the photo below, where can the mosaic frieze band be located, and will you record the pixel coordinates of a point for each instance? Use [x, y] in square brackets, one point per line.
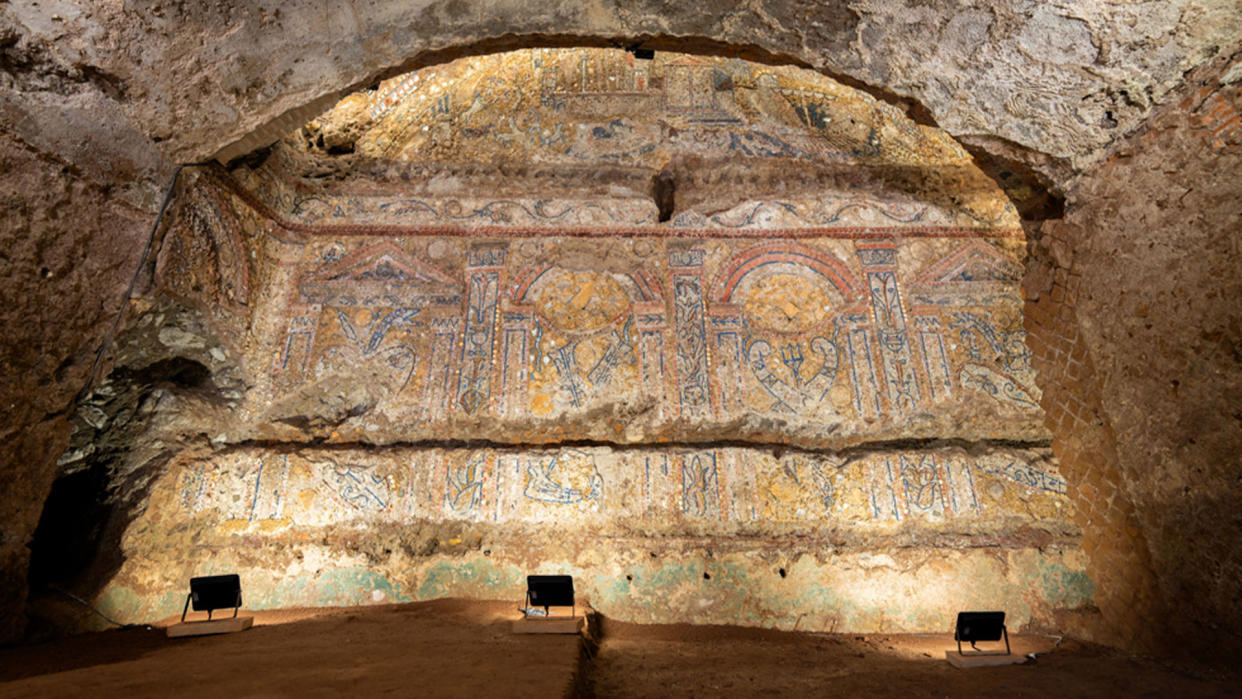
[675, 491]
[299, 205]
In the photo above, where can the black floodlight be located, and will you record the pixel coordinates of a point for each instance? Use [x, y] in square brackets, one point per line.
[642, 54]
[213, 592]
[980, 626]
[549, 591]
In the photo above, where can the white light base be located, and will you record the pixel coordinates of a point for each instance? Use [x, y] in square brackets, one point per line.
[555, 624]
[964, 662]
[207, 628]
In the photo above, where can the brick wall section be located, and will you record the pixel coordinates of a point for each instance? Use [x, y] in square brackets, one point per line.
[1218, 121]
[1085, 445]
[1134, 316]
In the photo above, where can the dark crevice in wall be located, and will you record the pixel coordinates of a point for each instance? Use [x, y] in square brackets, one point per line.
[105, 481]
[663, 190]
[252, 160]
[1027, 177]
[71, 528]
[181, 372]
[76, 548]
[778, 449]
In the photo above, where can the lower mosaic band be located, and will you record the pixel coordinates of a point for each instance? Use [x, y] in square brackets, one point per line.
[736, 535]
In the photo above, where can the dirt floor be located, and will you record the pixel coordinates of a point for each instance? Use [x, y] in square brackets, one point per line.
[454, 648]
[722, 661]
[445, 648]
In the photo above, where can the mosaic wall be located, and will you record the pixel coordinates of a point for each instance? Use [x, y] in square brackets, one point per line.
[673, 491]
[801, 408]
[849, 341]
[604, 108]
[599, 104]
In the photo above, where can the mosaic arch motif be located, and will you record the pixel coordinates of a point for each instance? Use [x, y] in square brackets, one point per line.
[833, 329]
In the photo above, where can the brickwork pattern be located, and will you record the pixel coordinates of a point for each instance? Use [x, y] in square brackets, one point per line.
[1214, 116]
[1085, 446]
[1132, 319]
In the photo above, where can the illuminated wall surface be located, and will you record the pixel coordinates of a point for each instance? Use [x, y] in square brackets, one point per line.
[812, 406]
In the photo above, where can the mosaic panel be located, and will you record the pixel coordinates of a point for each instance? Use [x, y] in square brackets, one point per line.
[678, 490]
[853, 334]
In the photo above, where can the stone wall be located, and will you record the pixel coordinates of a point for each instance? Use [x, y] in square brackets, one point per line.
[1086, 445]
[69, 251]
[1134, 324]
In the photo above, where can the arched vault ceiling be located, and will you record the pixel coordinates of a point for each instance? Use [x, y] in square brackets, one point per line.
[1063, 79]
[583, 105]
[700, 119]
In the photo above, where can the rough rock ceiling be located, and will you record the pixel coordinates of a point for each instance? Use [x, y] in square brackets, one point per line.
[1061, 80]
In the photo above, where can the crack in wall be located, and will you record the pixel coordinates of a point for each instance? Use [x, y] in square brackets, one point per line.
[849, 454]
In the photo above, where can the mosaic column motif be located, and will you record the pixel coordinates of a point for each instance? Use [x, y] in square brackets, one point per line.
[278, 297]
[935, 358]
[863, 375]
[515, 363]
[483, 268]
[901, 384]
[693, 389]
[729, 333]
[651, 333]
[294, 357]
[439, 386]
